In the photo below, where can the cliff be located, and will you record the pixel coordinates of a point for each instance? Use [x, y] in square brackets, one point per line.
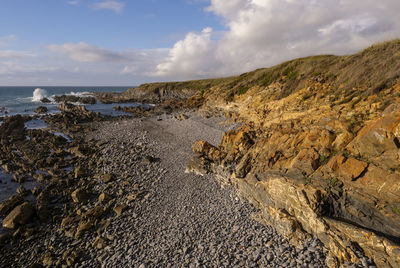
[319, 149]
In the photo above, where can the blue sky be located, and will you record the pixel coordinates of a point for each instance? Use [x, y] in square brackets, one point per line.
[140, 24]
[126, 42]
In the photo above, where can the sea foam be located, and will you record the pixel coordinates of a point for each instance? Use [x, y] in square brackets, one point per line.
[39, 94]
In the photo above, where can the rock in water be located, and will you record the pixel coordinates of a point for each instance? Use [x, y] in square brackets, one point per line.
[19, 216]
[41, 110]
[45, 100]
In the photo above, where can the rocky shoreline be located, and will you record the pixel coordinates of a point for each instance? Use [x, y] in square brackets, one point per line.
[316, 154]
[117, 195]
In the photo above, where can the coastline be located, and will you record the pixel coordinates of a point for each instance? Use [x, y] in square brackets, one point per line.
[135, 197]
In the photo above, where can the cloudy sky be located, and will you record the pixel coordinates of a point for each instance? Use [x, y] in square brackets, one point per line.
[128, 42]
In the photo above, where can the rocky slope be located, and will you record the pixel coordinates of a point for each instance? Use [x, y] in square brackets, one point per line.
[318, 151]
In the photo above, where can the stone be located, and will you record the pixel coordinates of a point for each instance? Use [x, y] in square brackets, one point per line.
[19, 216]
[10, 204]
[45, 100]
[379, 136]
[147, 160]
[79, 195]
[334, 163]
[83, 227]
[107, 177]
[94, 213]
[119, 209]
[206, 150]
[352, 169]
[79, 172]
[70, 256]
[99, 243]
[41, 110]
[307, 161]
[104, 198]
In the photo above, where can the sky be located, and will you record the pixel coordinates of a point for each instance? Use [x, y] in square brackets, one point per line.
[129, 42]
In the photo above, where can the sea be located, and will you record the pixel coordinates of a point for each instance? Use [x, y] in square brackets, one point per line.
[24, 100]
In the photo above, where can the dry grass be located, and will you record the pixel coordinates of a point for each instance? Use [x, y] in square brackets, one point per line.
[372, 70]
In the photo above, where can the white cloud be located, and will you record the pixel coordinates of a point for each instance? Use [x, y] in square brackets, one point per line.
[11, 67]
[129, 70]
[83, 52]
[74, 2]
[13, 54]
[262, 33]
[115, 6]
[187, 55]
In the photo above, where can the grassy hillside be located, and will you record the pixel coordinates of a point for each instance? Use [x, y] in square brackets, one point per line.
[373, 69]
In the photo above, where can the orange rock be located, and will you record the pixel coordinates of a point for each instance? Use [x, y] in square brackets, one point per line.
[352, 169]
[306, 160]
[206, 149]
[377, 137]
[379, 182]
[335, 162]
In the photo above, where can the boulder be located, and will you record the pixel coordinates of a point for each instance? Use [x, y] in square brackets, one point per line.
[352, 169]
[45, 100]
[10, 204]
[107, 177]
[41, 110]
[79, 195]
[307, 161]
[13, 127]
[380, 136]
[83, 227]
[119, 209]
[19, 216]
[104, 197]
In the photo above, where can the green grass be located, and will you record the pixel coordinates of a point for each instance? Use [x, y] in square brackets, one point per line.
[323, 159]
[396, 210]
[242, 90]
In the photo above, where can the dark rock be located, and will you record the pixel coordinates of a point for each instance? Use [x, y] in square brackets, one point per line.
[19, 216]
[79, 195]
[75, 99]
[10, 204]
[45, 100]
[41, 110]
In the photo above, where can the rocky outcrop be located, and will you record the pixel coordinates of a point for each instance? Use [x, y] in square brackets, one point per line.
[13, 128]
[19, 216]
[71, 115]
[317, 153]
[75, 99]
[159, 92]
[41, 110]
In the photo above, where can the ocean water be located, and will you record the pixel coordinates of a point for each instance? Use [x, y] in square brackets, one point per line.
[24, 100]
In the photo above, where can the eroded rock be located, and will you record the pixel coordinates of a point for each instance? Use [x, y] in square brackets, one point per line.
[19, 216]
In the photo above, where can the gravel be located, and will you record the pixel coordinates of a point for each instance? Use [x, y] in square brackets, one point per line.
[180, 220]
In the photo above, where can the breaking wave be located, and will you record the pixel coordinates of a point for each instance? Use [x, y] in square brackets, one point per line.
[39, 94]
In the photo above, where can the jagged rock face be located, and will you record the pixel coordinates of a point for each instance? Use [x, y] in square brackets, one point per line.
[73, 98]
[316, 164]
[150, 93]
[13, 128]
